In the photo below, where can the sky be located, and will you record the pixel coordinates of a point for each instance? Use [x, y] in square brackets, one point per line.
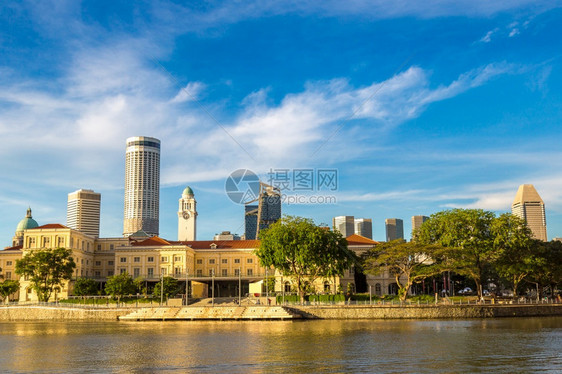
[412, 107]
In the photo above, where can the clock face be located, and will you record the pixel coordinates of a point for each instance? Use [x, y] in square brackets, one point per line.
[185, 215]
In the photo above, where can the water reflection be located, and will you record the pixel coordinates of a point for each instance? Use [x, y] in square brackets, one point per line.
[499, 345]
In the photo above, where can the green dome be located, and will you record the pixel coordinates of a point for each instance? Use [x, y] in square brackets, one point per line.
[188, 191]
[27, 222]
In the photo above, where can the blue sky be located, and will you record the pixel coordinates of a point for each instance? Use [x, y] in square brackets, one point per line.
[419, 106]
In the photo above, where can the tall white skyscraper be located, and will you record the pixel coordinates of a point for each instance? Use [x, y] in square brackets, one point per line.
[344, 224]
[394, 229]
[529, 206]
[83, 212]
[364, 227]
[142, 185]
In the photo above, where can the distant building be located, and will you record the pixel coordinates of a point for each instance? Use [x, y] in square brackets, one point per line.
[226, 235]
[344, 224]
[529, 206]
[266, 212]
[83, 212]
[557, 239]
[417, 221]
[394, 229]
[26, 223]
[142, 185]
[364, 227]
[187, 216]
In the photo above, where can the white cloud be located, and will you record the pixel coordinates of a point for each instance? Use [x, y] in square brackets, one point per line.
[191, 92]
[488, 37]
[513, 32]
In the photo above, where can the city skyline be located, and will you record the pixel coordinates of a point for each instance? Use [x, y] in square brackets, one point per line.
[418, 110]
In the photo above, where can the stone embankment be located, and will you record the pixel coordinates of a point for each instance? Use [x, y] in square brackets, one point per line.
[428, 311]
[62, 313]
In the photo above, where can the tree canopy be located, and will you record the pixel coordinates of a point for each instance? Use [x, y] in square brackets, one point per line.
[46, 270]
[297, 247]
[85, 286]
[408, 262]
[8, 287]
[171, 287]
[120, 285]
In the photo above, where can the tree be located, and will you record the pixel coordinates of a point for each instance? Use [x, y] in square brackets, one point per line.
[514, 242]
[409, 263]
[85, 286]
[171, 287]
[468, 235]
[140, 285]
[46, 270]
[298, 248]
[119, 285]
[8, 287]
[548, 267]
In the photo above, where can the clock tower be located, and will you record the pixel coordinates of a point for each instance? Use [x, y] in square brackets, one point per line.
[187, 216]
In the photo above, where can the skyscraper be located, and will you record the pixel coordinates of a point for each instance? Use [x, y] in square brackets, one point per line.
[267, 211]
[344, 224]
[529, 206]
[394, 229]
[142, 185]
[417, 221]
[364, 227]
[83, 212]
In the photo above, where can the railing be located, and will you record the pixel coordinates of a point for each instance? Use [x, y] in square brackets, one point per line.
[156, 277]
[441, 302]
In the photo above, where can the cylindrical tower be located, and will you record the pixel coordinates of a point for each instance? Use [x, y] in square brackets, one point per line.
[142, 185]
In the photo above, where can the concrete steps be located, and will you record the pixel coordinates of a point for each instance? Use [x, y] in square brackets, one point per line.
[211, 313]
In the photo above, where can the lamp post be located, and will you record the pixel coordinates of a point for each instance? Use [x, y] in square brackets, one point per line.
[186, 287]
[239, 286]
[213, 287]
[161, 288]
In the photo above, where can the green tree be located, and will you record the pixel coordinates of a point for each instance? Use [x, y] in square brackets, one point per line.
[513, 241]
[298, 248]
[8, 287]
[409, 263]
[119, 285]
[85, 286]
[46, 269]
[468, 235]
[140, 285]
[171, 287]
[548, 267]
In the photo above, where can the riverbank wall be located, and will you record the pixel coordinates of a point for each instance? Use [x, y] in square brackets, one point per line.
[348, 312]
[428, 311]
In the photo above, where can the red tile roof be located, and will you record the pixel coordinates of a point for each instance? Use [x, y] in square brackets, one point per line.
[17, 247]
[360, 240]
[151, 242]
[51, 226]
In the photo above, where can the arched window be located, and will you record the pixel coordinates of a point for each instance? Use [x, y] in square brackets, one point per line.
[287, 287]
[326, 286]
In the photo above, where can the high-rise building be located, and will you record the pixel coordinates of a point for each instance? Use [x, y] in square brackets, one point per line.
[142, 185]
[529, 206]
[394, 229]
[187, 216]
[364, 227]
[267, 211]
[417, 221]
[83, 212]
[344, 224]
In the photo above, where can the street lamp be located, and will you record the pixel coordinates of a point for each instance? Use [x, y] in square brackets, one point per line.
[239, 286]
[186, 287]
[161, 288]
[213, 287]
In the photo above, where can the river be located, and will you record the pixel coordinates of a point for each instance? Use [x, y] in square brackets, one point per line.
[509, 345]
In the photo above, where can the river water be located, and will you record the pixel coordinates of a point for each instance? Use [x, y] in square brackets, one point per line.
[510, 345]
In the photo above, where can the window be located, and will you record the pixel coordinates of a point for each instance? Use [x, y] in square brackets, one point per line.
[211, 272]
[212, 261]
[31, 242]
[110, 273]
[122, 270]
[123, 259]
[287, 287]
[150, 259]
[88, 246]
[61, 242]
[8, 275]
[250, 260]
[164, 259]
[99, 247]
[150, 272]
[378, 289]
[224, 272]
[136, 259]
[224, 261]
[8, 263]
[236, 260]
[177, 271]
[82, 261]
[237, 272]
[136, 272]
[82, 245]
[87, 262]
[177, 258]
[111, 247]
[199, 272]
[71, 242]
[110, 262]
[98, 263]
[326, 286]
[46, 242]
[164, 271]
[250, 272]
[97, 274]
[199, 261]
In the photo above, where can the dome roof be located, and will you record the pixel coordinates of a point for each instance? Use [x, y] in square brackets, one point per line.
[188, 191]
[27, 223]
